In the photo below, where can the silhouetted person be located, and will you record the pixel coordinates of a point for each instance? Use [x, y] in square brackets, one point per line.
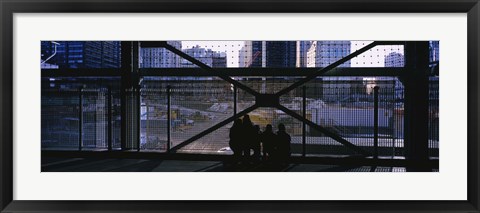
[247, 137]
[268, 142]
[283, 144]
[255, 143]
[235, 142]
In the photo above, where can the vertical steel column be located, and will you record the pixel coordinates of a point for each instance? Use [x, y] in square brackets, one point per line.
[375, 122]
[234, 100]
[126, 69]
[416, 104]
[304, 130]
[139, 117]
[168, 118]
[109, 118]
[136, 108]
[393, 120]
[80, 119]
[95, 121]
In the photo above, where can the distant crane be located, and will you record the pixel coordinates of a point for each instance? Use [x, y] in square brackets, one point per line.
[255, 56]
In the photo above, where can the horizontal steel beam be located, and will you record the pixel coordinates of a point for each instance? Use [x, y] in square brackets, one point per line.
[153, 44]
[107, 72]
[273, 72]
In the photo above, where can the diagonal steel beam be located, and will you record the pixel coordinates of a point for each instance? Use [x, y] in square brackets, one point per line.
[209, 69]
[324, 131]
[227, 78]
[213, 128]
[335, 64]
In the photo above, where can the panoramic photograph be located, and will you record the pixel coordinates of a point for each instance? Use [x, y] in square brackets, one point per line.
[240, 106]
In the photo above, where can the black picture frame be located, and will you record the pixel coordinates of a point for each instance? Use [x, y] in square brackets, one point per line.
[9, 7]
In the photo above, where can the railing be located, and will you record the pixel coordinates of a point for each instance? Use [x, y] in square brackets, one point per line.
[433, 117]
[196, 104]
[80, 117]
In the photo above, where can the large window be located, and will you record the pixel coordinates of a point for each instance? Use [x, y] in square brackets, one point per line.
[182, 96]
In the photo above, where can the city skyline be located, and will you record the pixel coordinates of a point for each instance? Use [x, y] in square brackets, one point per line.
[232, 49]
[364, 60]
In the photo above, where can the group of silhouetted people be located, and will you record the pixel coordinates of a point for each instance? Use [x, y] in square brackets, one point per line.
[266, 145]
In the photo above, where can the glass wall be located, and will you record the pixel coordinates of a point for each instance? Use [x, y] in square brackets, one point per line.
[165, 105]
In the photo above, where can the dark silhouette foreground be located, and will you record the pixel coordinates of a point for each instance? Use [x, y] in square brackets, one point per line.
[252, 147]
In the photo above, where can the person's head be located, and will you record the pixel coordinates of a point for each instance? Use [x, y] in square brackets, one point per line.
[237, 122]
[269, 128]
[281, 127]
[246, 120]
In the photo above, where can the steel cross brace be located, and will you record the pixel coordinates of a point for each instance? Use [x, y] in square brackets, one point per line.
[287, 111]
[274, 97]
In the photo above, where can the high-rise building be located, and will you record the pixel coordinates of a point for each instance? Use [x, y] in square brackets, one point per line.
[312, 54]
[83, 54]
[219, 60]
[273, 54]
[302, 53]
[160, 57]
[258, 51]
[206, 56]
[324, 53]
[281, 54]
[245, 55]
[394, 59]
[434, 51]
